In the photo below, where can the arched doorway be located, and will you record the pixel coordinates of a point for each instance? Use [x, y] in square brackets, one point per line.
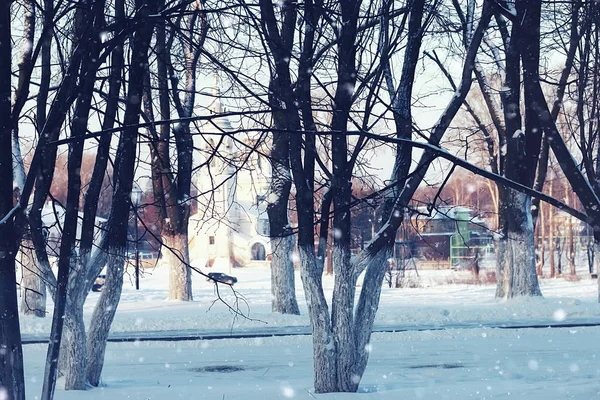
[258, 252]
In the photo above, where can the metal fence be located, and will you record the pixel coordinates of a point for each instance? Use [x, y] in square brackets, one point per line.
[465, 253]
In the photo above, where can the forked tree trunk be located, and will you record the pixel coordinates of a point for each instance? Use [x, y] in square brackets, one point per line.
[33, 287]
[176, 257]
[520, 258]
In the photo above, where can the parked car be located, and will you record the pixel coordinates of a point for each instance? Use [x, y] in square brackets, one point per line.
[221, 278]
[99, 283]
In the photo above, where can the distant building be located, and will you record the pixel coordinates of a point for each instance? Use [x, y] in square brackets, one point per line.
[452, 233]
[230, 227]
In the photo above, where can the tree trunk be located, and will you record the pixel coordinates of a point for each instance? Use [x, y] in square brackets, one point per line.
[11, 356]
[282, 276]
[368, 304]
[33, 287]
[72, 362]
[103, 316]
[570, 245]
[520, 262]
[597, 260]
[542, 225]
[558, 256]
[124, 173]
[501, 245]
[342, 315]
[176, 257]
[323, 344]
[283, 287]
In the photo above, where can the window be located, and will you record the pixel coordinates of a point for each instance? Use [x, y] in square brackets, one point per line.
[259, 199]
[211, 240]
[258, 252]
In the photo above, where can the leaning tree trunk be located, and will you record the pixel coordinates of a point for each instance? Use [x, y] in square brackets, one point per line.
[103, 315]
[124, 173]
[176, 257]
[368, 302]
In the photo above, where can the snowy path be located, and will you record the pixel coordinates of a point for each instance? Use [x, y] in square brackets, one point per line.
[251, 333]
[533, 364]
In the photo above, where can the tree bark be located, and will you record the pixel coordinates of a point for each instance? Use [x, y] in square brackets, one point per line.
[282, 276]
[323, 344]
[103, 315]
[501, 245]
[520, 263]
[551, 238]
[542, 224]
[72, 360]
[33, 287]
[597, 260]
[176, 256]
[570, 242]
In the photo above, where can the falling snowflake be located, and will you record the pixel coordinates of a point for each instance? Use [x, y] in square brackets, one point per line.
[559, 315]
[288, 391]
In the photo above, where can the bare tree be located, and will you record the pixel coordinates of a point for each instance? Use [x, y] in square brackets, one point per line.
[171, 181]
[341, 339]
[282, 239]
[11, 357]
[33, 288]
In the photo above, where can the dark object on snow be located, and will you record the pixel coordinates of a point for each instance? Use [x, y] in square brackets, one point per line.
[221, 278]
[219, 368]
[98, 283]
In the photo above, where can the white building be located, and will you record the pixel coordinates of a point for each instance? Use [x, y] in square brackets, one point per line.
[230, 227]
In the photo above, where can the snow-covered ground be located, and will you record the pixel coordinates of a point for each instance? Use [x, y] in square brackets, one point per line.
[454, 363]
[438, 302]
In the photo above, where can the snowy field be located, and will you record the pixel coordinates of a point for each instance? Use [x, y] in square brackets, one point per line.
[454, 363]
